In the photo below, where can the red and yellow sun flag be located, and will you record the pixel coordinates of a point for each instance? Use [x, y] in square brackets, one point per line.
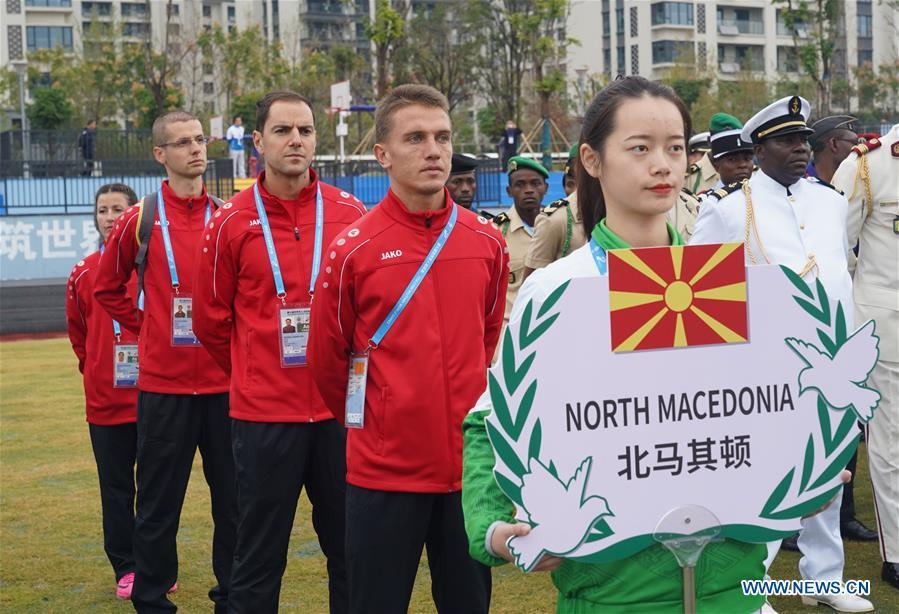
[664, 297]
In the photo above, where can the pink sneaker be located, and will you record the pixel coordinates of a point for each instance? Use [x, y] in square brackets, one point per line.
[174, 589]
[124, 586]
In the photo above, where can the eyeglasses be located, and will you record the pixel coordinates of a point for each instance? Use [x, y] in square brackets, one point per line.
[186, 142]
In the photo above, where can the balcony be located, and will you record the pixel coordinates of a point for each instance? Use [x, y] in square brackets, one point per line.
[735, 27]
[332, 10]
[733, 59]
[46, 6]
[133, 10]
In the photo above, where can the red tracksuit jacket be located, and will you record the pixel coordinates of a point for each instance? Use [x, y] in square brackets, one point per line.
[236, 308]
[431, 367]
[163, 368]
[93, 338]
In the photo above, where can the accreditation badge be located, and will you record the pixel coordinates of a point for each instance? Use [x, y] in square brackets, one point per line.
[293, 335]
[355, 391]
[183, 322]
[124, 365]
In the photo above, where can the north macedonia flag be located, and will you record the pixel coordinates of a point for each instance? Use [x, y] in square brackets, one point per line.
[664, 297]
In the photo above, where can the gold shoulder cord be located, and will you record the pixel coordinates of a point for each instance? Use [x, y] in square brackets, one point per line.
[866, 181]
[750, 222]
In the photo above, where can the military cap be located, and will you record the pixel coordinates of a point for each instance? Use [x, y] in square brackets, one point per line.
[824, 126]
[699, 142]
[518, 163]
[572, 154]
[463, 164]
[786, 116]
[725, 139]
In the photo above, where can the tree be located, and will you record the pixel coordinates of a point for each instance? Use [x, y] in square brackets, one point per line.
[93, 80]
[239, 59]
[347, 63]
[9, 92]
[517, 37]
[153, 73]
[50, 109]
[820, 21]
[742, 97]
[386, 32]
[439, 52]
[687, 79]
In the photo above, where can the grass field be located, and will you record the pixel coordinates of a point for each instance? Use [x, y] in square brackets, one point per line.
[51, 554]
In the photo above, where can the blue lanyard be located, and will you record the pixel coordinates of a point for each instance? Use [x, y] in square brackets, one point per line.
[116, 329]
[270, 242]
[319, 226]
[167, 239]
[423, 269]
[599, 256]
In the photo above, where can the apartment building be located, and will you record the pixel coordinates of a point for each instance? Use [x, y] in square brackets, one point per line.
[649, 37]
[299, 26]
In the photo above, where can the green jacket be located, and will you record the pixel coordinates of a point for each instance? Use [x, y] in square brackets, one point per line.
[649, 582]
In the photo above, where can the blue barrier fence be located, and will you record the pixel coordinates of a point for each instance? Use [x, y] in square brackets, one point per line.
[41, 187]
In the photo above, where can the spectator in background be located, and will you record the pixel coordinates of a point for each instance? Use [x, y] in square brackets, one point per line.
[86, 145]
[111, 403]
[236, 147]
[509, 143]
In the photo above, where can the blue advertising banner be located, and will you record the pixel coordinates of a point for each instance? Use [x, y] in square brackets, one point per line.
[44, 246]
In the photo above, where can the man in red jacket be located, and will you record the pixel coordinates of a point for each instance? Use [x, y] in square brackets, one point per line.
[258, 264]
[407, 312]
[182, 393]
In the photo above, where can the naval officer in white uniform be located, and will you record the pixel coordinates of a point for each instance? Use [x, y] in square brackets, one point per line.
[785, 219]
[870, 178]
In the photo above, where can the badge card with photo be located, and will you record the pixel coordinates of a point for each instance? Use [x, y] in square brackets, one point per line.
[182, 322]
[293, 324]
[124, 363]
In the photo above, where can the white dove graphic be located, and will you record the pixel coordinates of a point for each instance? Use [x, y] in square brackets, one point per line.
[841, 379]
[561, 515]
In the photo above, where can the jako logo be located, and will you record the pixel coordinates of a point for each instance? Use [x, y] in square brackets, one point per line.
[254, 222]
[396, 253]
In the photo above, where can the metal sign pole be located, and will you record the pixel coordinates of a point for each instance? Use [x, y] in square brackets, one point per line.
[686, 531]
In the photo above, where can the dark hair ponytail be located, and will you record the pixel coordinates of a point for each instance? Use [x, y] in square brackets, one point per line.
[599, 123]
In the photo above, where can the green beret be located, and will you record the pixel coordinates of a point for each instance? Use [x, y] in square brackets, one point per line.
[722, 121]
[517, 163]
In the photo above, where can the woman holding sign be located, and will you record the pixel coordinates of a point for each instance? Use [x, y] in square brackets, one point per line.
[107, 358]
[630, 171]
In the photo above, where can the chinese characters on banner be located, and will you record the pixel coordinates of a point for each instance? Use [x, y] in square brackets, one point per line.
[44, 247]
[669, 382]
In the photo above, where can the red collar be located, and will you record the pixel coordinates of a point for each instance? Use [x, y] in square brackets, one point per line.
[171, 198]
[434, 220]
[307, 194]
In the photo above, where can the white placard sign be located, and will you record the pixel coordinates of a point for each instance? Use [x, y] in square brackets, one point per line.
[595, 449]
[217, 127]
